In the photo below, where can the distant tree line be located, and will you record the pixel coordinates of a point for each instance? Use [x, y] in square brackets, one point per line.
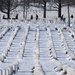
[6, 6]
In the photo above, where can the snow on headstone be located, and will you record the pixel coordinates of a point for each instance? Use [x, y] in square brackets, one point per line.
[2, 57]
[38, 69]
[59, 66]
[10, 68]
[70, 71]
[3, 71]
[64, 70]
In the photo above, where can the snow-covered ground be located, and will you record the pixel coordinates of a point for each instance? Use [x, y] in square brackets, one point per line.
[40, 47]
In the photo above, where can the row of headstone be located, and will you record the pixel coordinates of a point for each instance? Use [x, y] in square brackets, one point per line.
[65, 69]
[22, 45]
[65, 46]
[71, 33]
[37, 67]
[13, 68]
[52, 50]
[6, 49]
[6, 29]
[10, 68]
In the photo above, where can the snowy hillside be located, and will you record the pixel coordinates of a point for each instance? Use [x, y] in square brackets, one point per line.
[31, 47]
[36, 50]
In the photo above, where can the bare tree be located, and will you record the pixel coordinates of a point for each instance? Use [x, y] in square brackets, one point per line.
[6, 6]
[25, 4]
[59, 5]
[69, 3]
[35, 3]
[43, 2]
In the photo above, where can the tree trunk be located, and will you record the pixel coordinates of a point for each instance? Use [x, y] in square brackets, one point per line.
[24, 6]
[44, 9]
[8, 11]
[68, 16]
[26, 13]
[59, 10]
[8, 14]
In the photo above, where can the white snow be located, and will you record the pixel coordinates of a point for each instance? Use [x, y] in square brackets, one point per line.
[30, 47]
